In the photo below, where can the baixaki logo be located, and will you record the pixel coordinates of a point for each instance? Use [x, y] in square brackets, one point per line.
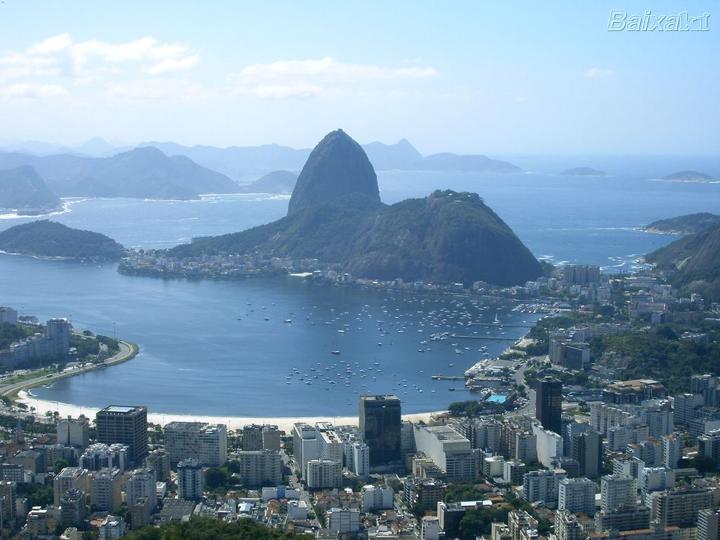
[621, 20]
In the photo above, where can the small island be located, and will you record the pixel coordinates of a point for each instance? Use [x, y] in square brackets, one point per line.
[50, 239]
[687, 176]
[583, 171]
[684, 225]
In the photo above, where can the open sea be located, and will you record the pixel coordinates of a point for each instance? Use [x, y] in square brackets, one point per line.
[262, 347]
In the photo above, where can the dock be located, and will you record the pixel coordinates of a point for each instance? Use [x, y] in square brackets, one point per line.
[484, 338]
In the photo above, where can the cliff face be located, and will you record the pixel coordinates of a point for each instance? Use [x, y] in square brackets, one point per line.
[337, 166]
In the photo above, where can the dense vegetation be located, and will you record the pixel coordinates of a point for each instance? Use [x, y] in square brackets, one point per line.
[50, 239]
[211, 529]
[661, 354]
[687, 224]
[693, 262]
[10, 333]
[446, 237]
[23, 189]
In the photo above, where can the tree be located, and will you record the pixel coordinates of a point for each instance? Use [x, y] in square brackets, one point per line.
[60, 464]
[216, 477]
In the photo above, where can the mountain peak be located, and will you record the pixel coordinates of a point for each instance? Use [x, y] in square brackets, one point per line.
[336, 167]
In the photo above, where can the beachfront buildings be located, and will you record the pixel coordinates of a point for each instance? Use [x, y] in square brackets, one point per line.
[380, 425]
[124, 424]
[205, 442]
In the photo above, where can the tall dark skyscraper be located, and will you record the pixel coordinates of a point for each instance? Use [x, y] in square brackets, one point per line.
[548, 404]
[126, 425]
[587, 451]
[380, 428]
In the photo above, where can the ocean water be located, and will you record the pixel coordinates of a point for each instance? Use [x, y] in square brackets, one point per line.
[225, 348]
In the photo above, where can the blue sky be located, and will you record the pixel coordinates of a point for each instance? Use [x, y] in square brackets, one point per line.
[487, 77]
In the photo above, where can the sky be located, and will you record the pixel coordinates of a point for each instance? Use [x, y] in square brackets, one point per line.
[498, 78]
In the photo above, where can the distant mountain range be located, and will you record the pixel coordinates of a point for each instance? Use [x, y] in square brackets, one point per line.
[140, 173]
[684, 225]
[242, 161]
[23, 191]
[50, 239]
[693, 262]
[335, 215]
[276, 182]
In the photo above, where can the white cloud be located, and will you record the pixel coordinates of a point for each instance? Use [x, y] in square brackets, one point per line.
[172, 64]
[598, 73]
[61, 55]
[32, 91]
[332, 69]
[158, 89]
[310, 78]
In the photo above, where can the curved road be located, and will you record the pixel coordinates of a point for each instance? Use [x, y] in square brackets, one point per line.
[127, 351]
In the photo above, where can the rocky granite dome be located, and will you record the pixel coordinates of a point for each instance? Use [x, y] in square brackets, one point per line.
[337, 166]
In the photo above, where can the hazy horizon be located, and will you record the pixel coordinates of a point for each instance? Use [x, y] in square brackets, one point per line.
[520, 79]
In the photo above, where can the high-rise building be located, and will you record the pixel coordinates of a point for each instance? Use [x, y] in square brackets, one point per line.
[106, 489]
[102, 456]
[679, 507]
[190, 480]
[449, 450]
[111, 528]
[58, 333]
[139, 486]
[548, 404]
[587, 451]
[672, 450]
[567, 526]
[126, 425]
[73, 432]
[8, 496]
[708, 525]
[380, 422]
[709, 446]
[324, 474]
[377, 498]
[205, 442]
[577, 495]
[260, 467]
[252, 438]
[344, 520]
[159, 461]
[361, 459]
[68, 478]
[271, 438]
[73, 507]
[305, 446]
[542, 485]
[617, 491]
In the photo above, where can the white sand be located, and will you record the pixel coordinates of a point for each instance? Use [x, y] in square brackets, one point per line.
[233, 422]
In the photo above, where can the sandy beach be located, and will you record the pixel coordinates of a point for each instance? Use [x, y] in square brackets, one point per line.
[233, 422]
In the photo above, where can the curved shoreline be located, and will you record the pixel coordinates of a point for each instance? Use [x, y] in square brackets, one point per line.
[285, 423]
[128, 351]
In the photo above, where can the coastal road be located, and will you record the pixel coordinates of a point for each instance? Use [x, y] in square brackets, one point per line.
[529, 408]
[127, 351]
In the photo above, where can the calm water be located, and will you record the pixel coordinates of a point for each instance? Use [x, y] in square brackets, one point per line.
[225, 348]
